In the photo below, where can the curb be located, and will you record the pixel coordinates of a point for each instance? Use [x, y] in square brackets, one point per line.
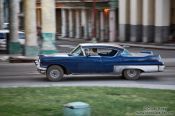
[17, 59]
[21, 59]
[145, 86]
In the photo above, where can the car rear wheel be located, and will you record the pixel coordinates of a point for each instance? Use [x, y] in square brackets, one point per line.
[131, 74]
[54, 73]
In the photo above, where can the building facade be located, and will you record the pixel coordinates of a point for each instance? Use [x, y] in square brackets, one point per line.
[148, 21]
[82, 18]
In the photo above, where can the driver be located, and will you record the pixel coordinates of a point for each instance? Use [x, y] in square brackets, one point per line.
[94, 52]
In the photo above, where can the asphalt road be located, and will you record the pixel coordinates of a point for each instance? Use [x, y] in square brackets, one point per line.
[25, 74]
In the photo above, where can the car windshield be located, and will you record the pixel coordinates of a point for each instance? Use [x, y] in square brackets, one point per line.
[77, 51]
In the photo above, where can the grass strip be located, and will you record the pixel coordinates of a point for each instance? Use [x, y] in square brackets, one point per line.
[104, 101]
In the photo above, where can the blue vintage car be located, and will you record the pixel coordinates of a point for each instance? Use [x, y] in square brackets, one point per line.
[88, 58]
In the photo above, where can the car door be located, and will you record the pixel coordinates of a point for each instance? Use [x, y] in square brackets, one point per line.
[90, 64]
[109, 59]
[82, 63]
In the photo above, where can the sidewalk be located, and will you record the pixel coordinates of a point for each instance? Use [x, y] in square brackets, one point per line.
[24, 59]
[166, 46]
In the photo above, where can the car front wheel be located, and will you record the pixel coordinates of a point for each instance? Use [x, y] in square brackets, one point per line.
[131, 74]
[54, 73]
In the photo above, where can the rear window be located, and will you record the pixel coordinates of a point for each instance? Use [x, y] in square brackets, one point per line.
[126, 53]
[107, 52]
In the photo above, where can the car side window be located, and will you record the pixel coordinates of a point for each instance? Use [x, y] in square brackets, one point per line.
[100, 52]
[91, 52]
[107, 52]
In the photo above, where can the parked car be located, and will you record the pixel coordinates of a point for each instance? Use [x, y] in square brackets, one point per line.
[4, 35]
[6, 26]
[99, 58]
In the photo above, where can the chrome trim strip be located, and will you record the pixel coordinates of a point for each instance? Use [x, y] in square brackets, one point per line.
[144, 68]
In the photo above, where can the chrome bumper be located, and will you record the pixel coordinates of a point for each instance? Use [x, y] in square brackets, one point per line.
[161, 68]
[39, 68]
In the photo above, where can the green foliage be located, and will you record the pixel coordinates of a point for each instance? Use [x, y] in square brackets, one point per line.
[104, 101]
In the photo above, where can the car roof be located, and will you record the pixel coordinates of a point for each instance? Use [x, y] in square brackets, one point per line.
[100, 45]
[4, 31]
[7, 31]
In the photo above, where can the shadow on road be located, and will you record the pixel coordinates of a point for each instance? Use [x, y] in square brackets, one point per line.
[106, 78]
[72, 78]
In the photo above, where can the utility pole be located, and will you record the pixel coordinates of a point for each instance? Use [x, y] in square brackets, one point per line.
[31, 45]
[14, 45]
[1, 14]
[48, 27]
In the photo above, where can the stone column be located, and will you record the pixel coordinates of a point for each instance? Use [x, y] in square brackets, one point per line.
[31, 45]
[6, 11]
[48, 27]
[102, 26]
[106, 25]
[148, 21]
[173, 20]
[84, 24]
[38, 17]
[14, 45]
[162, 20]
[63, 22]
[98, 25]
[124, 20]
[112, 21]
[71, 27]
[136, 20]
[78, 26]
[94, 22]
[1, 13]
[90, 24]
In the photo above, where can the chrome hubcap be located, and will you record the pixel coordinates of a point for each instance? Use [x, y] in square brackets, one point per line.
[131, 73]
[54, 74]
